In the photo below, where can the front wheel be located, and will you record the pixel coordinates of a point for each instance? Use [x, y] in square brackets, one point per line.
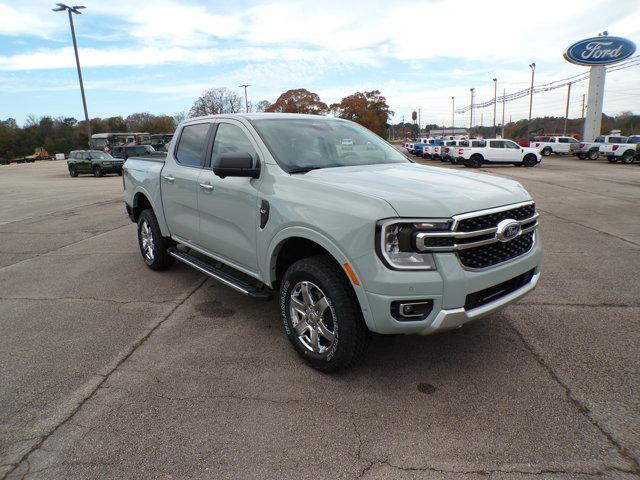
[529, 160]
[73, 171]
[321, 315]
[153, 245]
[97, 171]
[593, 155]
[628, 157]
[546, 151]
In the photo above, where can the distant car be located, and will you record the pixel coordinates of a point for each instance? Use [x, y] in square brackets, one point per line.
[497, 150]
[126, 151]
[93, 161]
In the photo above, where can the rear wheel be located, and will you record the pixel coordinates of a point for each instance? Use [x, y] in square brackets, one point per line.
[612, 159]
[529, 160]
[582, 156]
[593, 154]
[628, 157]
[73, 171]
[97, 171]
[321, 315]
[153, 245]
[546, 151]
[474, 162]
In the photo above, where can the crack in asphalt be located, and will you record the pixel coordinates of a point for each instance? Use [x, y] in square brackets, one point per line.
[141, 341]
[92, 299]
[580, 407]
[585, 305]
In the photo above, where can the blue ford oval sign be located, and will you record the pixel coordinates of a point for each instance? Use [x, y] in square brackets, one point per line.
[599, 51]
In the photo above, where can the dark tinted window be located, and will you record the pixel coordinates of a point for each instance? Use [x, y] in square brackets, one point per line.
[563, 140]
[192, 143]
[599, 139]
[478, 143]
[495, 144]
[617, 139]
[231, 139]
[509, 144]
[634, 139]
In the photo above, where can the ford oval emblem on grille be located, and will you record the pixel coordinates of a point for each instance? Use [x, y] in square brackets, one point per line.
[507, 230]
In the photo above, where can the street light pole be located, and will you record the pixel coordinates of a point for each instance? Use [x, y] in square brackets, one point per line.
[532, 66]
[566, 112]
[471, 114]
[70, 10]
[246, 101]
[504, 96]
[453, 115]
[495, 99]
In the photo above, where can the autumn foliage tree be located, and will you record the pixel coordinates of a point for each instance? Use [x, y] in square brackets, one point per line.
[369, 109]
[299, 100]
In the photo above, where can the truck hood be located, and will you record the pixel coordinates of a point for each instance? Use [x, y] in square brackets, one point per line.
[415, 190]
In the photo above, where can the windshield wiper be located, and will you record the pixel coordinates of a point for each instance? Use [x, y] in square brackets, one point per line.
[306, 169]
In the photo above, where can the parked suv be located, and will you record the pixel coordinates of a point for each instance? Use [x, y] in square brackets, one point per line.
[126, 151]
[351, 235]
[96, 162]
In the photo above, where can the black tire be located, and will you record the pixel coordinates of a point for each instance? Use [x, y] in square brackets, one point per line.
[454, 161]
[517, 164]
[159, 259]
[343, 314]
[628, 157]
[593, 155]
[612, 159]
[582, 156]
[120, 172]
[97, 171]
[474, 162]
[529, 160]
[546, 151]
[73, 171]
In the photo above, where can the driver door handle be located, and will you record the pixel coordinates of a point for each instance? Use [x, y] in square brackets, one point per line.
[169, 179]
[206, 187]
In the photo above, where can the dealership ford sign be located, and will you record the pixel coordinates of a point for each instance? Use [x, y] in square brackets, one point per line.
[599, 51]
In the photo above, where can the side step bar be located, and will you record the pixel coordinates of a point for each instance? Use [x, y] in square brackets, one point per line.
[220, 275]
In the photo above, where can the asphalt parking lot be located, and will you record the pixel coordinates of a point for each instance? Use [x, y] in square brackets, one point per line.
[111, 370]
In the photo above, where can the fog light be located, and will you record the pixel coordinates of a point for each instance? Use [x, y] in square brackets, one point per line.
[411, 310]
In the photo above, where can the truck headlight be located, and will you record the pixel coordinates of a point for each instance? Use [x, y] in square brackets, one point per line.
[396, 245]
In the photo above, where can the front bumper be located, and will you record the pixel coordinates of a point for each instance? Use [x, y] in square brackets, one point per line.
[447, 287]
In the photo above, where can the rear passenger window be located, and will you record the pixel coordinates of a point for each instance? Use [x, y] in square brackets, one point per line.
[495, 144]
[192, 143]
[231, 139]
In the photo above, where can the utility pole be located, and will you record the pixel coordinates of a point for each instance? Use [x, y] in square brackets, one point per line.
[246, 101]
[495, 101]
[419, 122]
[504, 96]
[583, 106]
[532, 66]
[70, 10]
[566, 112]
[453, 115]
[471, 114]
[481, 119]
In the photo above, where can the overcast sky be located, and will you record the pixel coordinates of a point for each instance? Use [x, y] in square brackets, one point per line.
[158, 56]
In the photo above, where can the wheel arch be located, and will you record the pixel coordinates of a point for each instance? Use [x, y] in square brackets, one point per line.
[295, 243]
[142, 200]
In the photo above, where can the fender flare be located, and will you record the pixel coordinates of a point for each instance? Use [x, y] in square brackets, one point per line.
[330, 246]
[157, 208]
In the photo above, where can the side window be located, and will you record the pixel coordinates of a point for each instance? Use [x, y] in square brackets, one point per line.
[495, 144]
[563, 140]
[191, 144]
[599, 139]
[231, 139]
[511, 145]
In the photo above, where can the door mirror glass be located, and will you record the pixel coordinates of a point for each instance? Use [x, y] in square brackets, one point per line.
[236, 165]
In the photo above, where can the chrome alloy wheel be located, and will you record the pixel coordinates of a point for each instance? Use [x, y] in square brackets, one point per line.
[146, 236]
[312, 317]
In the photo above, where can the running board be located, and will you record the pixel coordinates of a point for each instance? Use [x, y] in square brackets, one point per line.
[223, 277]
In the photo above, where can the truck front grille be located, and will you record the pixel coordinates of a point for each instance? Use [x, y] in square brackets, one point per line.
[480, 241]
[494, 253]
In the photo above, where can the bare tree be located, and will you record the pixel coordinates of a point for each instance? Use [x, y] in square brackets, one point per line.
[179, 117]
[216, 100]
[262, 105]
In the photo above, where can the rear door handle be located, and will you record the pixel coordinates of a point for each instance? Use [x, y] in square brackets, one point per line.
[206, 187]
[169, 179]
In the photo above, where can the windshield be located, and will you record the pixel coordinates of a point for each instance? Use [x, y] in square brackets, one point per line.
[309, 143]
[101, 156]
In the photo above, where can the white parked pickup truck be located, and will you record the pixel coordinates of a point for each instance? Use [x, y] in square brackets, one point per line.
[626, 152]
[549, 145]
[497, 150]
[591, 150]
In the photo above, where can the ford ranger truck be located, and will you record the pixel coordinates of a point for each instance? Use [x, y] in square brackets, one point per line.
[591, 150]
[625, 152]
[349, 234]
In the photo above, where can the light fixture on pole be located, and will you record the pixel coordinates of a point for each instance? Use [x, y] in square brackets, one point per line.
[532, 66]
[71, 10]
[495, 99]
[246, 101]
[471, 114]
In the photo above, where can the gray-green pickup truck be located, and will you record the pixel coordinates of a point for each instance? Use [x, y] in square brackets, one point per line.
[351, 235]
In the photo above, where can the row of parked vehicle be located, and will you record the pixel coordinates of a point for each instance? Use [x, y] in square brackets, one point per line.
[475, 152]
[100, 163]
[616, 147]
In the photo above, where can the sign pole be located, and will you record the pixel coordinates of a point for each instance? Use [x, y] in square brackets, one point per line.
[593, 120]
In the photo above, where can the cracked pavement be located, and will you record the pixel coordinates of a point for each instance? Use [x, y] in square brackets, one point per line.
[110, 370]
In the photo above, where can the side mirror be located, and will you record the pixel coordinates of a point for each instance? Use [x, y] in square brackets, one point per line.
[236, 165]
